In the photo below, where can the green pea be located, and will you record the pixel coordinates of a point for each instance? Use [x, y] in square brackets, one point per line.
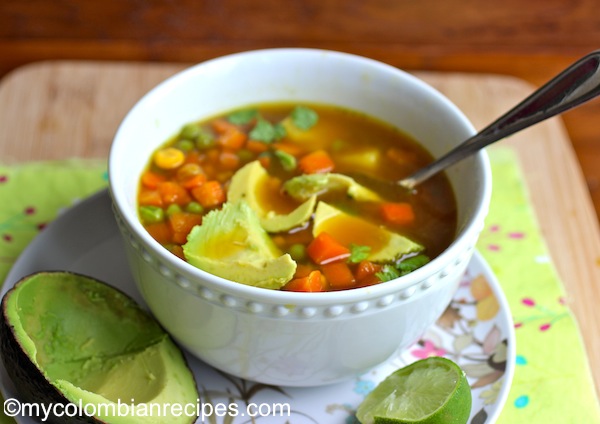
[190, 131]
[173, 208]
[297, 251]
[151, 214]
[185, 145]
[288, 162]
[194, 207]
[204, 140]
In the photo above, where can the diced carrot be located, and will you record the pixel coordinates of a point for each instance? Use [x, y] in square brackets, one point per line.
[160, 231]
[209, 168]
[147, 197]
[303, 270]
[316, 162]
[152, 179]
[324, 249]
[182, 223]
[221, 126]
[212, 155]
[177, 250]
[397, 213]
[210, 194]
[179, 238]
[172, 192]
[265, 160]
[229, 160]
[194, 181]
[191, 175]
[256, 146]
[365, 269]
[313, 282]
[370, 280]
[232, 139]
[194, 157]
[338, 275]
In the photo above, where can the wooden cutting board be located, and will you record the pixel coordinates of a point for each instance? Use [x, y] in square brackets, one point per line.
[58, 110]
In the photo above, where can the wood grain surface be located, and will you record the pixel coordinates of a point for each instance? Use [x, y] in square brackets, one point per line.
[58, 110]
[531, 40]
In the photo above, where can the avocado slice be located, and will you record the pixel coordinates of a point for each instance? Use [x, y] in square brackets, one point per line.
[385, 245]
[246, 184]
[69, 338]
[310, 185]
[232, 244]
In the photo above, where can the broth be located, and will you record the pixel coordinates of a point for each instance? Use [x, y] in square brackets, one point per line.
[192, 173]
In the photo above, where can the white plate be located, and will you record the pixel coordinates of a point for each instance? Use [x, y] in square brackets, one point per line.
[476, 331]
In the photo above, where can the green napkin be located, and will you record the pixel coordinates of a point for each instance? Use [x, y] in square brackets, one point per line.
[552, 382]
[32, 195]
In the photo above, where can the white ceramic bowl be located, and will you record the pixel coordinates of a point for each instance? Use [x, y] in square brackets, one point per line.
[278, 337]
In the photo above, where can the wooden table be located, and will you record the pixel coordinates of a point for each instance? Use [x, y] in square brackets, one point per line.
[532, 40]
[58, 110]
[45, 110]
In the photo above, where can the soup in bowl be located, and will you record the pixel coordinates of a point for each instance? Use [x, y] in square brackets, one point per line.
[256, 197]
[264, 195]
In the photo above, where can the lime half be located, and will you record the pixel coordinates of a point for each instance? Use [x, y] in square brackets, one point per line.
[430, 391]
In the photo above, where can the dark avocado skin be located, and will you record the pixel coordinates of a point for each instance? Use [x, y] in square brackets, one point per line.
[28, 379]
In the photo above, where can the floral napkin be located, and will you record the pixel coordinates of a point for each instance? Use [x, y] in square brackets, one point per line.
[552, 382]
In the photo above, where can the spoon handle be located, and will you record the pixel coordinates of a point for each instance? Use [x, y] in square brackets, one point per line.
[575, 85]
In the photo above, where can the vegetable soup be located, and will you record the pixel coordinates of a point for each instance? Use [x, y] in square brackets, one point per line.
[296, 197]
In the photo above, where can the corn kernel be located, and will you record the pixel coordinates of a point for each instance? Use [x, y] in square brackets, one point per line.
[169, 158]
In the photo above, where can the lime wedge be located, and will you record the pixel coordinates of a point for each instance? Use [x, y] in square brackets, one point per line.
[430, 391]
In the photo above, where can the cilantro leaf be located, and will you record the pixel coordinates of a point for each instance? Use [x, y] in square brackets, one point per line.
[243, 116]
[267, 132]
[288, 162]
[304, 117]
[279, 131]
[358, 253]
[387, 273]
[410, 264]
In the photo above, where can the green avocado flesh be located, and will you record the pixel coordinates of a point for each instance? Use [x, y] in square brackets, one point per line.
[245, 185]
[232, 244]
[386, 245]
[91, 344]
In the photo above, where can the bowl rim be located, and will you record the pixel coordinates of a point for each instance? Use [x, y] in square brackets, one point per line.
[214, 282]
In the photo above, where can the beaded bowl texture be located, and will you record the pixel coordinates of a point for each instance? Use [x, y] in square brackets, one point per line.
[287, 338]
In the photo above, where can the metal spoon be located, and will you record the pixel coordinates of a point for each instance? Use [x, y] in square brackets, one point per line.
[575, 85]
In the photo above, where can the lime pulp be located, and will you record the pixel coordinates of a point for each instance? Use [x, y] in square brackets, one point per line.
[430, 391]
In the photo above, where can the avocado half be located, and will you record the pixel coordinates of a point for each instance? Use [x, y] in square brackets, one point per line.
[70, 339]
